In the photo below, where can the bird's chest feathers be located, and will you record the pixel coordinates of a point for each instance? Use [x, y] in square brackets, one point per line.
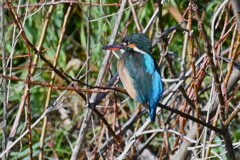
[136, 72]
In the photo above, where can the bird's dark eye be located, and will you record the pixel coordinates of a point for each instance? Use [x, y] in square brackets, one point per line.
[125, 43]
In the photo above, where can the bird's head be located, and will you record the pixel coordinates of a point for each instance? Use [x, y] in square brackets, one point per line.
[135, 42]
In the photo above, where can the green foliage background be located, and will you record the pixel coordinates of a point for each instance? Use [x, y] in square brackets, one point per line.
[62, 132]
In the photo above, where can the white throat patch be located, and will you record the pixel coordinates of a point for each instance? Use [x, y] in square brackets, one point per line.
[139, 51]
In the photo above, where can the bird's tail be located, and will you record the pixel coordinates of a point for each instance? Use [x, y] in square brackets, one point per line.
[152, 114]
[152, 111]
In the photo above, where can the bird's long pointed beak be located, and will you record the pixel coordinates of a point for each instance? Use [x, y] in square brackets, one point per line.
[114, 47]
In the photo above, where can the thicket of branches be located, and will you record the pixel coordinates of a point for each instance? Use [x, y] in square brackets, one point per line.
[61, 96]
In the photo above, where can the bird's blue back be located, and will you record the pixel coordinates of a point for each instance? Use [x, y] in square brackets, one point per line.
[141, 78]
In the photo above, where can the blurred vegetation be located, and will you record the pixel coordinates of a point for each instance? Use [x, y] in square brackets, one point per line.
[65, 120]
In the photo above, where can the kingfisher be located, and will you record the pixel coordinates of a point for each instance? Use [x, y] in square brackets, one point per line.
[139, 72]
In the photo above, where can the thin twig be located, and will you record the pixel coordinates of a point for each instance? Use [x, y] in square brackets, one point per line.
[217, 82]
[208, 51]
[233, 115]
[21, 105]
[72, 87]
[236, 11]
[135, 16]
[28, 87]
[194, 77]
[48, 99]
[49, 14]
[67, 2]
[4, 82]
[101, 74]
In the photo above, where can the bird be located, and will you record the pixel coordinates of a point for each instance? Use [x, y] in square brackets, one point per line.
[138, 71]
